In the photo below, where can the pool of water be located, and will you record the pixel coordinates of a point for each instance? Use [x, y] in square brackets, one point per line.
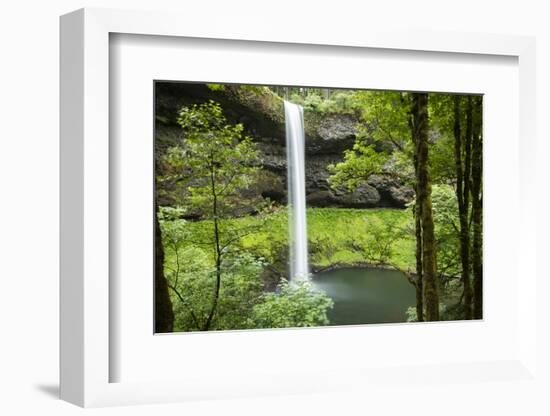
[366, 295]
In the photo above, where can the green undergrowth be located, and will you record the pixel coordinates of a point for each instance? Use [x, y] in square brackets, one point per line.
[334, 235]
[332, 232]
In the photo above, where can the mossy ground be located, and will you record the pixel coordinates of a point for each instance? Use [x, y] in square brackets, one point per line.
[329, 231]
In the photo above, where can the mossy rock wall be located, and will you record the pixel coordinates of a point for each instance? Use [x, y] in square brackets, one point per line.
[262, 114]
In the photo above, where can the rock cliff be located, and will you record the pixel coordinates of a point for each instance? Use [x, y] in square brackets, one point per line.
[261, 112]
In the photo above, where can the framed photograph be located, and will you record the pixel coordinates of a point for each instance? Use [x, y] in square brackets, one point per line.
[290, 207]
[269, 213]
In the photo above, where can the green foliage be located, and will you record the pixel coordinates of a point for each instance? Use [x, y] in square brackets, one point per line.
[410, 314]
[269, 242]
[452, 308]
[256, 89]
[442, 168]
[241, 289]
[387, 117]
[336, 101]
[442, 158]
[341, 102]
[213, 164]
[190, 263]
[359, 164]
[383, 144]
[310, 102]
[216, 87]
[190, 271]
[445, 207]
[217, 163]
[322, 247]
[220, 160]
[330, 231]
[191, 274]
[220, 164]
[171, 213]
[377, 239]
[292, 305]
[445, 215]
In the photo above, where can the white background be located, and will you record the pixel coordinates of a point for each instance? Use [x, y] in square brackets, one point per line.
[29, 208]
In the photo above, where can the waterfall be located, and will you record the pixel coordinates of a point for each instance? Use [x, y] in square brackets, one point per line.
[297, 225]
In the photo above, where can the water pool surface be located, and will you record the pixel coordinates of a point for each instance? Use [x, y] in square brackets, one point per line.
[366, 295]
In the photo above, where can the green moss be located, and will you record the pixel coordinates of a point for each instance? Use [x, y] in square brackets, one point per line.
[330, 231]
[336, 227]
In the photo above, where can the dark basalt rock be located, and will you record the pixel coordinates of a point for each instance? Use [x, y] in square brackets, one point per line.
[392, 192]
[364, 196]
[331, 134]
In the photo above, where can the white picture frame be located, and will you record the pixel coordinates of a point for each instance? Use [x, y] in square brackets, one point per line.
[85, 217]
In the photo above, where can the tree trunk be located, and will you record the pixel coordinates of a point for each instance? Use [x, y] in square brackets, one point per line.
[419, 274]
[463, 196]
[164, 315]
[417, 213]
[477, 209]
[217, 255]
[424, 200]
[418, 235]
[217, 248]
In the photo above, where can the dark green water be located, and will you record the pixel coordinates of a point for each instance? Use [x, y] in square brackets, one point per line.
[366, 295]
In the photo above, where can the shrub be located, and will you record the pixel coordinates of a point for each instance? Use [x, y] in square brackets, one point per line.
[292, 305]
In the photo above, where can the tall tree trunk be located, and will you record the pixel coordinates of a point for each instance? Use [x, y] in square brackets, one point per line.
[463, 144]
[218, 259]
[424, 200]
[217, 248]
[164, 315]
[477, 209]
[417, 212]
[419, 273]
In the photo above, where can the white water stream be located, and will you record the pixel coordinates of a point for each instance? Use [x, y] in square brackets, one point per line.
[295, 149]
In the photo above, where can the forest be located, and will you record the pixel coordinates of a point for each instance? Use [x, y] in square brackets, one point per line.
[393, 195]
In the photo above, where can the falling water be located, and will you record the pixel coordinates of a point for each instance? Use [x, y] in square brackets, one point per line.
[295, 143]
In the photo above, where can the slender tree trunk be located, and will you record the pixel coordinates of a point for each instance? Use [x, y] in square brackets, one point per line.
[477, 209]
[424, 200]
[418, 234]
[417, 213]
[463, 196]
[419, 274]
[217, 250]
[164, 315]
[218, 277]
